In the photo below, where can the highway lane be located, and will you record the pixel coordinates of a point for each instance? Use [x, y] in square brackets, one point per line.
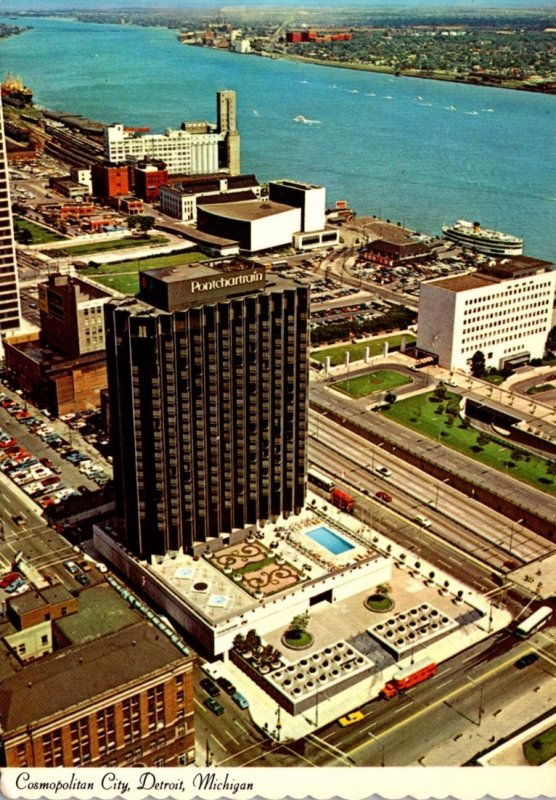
[525, 499]
[471, 525]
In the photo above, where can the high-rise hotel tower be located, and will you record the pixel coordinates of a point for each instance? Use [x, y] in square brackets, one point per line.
[207, 377]
[10, 311]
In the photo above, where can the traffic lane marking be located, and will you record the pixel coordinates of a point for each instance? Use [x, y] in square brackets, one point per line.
[440, 701]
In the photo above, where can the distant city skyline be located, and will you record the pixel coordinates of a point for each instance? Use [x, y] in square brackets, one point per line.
[105, 5]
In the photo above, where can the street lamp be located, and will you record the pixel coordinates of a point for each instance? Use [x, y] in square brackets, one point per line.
[376, 739]
[208, 756]
[438, 485]
[278, 723]
[481, 690]
[512, 531]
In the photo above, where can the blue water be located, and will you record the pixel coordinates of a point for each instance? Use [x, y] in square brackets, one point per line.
[331, 541]
[423, 153]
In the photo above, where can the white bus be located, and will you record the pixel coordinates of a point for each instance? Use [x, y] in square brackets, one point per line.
[533, 622]
[316, 477]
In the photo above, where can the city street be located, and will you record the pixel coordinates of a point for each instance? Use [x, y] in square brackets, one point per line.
[458, 708]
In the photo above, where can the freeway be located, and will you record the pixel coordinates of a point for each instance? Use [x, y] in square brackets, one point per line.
[466, 524]
[537, 509]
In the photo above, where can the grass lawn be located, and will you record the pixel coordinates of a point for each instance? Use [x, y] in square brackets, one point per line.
[114, 244]
[541, 748]
[380, 381]
[133, 265]
[496, 380]
[124, 276]
[40, 235]
[301, 639]
[357, 349]
[419, 414]
[379, 602]
[545, 387]
[126, 284]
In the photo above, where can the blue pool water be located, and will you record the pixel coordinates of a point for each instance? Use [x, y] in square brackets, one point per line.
[332, 541]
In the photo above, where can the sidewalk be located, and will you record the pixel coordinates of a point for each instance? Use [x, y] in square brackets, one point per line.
[495, 726]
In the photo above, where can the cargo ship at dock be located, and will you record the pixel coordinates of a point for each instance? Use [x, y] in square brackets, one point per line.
[472, 236]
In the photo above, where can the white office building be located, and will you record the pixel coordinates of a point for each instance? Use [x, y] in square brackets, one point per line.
[180, 201]
[311, 199]
[505, 312]
[197, 148]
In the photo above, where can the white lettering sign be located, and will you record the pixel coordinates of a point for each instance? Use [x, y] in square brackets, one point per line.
[225, 282]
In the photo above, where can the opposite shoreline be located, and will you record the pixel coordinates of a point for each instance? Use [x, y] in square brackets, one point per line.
[405, 73]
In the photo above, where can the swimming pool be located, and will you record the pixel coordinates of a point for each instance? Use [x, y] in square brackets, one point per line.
[333, 542]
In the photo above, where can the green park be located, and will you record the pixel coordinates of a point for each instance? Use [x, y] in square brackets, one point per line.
[28, 233]
[124, 276]
[382, 380]
[541, 748]
[126, 242]
[437, 415]
[357, 349]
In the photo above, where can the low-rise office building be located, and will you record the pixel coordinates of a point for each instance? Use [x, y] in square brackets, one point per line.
[117, 690]
[180, 200]
[504, 310]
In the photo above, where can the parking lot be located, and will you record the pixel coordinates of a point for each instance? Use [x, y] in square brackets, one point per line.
[49, 461]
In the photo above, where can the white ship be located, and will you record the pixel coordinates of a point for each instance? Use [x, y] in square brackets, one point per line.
[491, 243]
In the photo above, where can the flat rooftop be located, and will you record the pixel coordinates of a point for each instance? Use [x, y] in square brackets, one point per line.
[206, 587]
[463, 283]
[73, 675]
[101, 611]
[178, 273]
[248, 211]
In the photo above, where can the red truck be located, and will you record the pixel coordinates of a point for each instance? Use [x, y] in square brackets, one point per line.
[408, 677]
[341, 500]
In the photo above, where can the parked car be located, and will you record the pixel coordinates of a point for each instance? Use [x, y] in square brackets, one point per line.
[240, 700]
[227, 685]
[384, 496]
[82, 579]
[214, 706]
[209, 687]
[19, 519]
[71, 567]
[9, 578]
[422, 520]
[14, 585]
[526, 660]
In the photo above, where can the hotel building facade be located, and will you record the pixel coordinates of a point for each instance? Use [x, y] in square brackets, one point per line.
[504, 311]
[10, 310]
[207, 377]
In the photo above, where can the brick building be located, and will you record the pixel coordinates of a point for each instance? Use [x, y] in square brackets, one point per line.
[119, 697]
[110, 180]
[63, 368]
[148, 178]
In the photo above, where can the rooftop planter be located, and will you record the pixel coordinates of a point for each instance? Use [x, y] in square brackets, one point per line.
[379, 602]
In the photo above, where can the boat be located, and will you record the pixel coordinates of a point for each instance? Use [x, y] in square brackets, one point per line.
[305, 121]
[482, 240]
[14, 89]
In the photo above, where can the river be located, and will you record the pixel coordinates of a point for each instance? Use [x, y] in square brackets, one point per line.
[420, 152]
